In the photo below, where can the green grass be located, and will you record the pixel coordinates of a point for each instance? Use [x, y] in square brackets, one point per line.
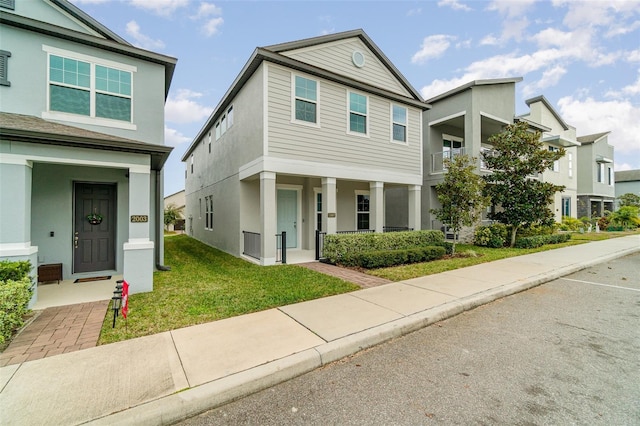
[485, 254]
[205, 285]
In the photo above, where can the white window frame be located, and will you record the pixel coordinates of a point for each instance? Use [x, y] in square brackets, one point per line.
[367, 120]
[91, 119]
[556, 164]
[564, 200]
[600, 171]
[405, 124]
[360, 192]
[570, 164]
[610, 179]
[217, 130]
[229, 117]
[316, 192]
[294, 98]
[208, 212]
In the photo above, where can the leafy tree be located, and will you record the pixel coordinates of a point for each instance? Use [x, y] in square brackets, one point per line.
[460, 195]
[517, 156]
[626, 216]
[629, 199]
[171, 214]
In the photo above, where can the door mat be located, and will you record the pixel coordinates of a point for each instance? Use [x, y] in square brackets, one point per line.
[86, 280]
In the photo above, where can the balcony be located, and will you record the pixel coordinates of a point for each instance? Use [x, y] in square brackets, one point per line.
[438, 158]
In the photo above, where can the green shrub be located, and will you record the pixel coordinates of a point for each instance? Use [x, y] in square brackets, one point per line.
[448, 247]
[540, 240]
[385, 258]
[15, 293]
[613, 228]
[603, 222]
[493, 236]
[537, 229]
[571, 224]
[337, 246]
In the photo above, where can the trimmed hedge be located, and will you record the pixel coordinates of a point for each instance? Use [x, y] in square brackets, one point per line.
[493, 236]
[540, 240]
[15, 293]
[337, 246]
[385, 258]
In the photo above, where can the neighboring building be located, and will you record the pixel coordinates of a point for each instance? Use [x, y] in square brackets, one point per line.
[558, 134]
[596, 181]
[81, 133]
[627, 181]
[309, 137]
[178, 200]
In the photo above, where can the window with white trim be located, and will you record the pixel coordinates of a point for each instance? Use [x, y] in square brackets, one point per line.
[566, 206]
[318, 211]
[600, 172]
[610, 175]
[4, 68]
[224, 123]
[358, 107]
[217, 130]
[208, 212]
[570, 164]
[399, 124]
[362, 210]
[191, 163]
[86, 88]
[230, 117]
[556, 164]
[305, 100]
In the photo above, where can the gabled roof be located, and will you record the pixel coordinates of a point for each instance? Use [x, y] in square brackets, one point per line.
[627, 176]
[587, 139]
[546, 103]
[111, 41]
[271, 54]
[472, 84]
[28, 128]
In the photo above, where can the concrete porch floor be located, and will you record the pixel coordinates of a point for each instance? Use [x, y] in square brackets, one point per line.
[70, 293]
[300, 256]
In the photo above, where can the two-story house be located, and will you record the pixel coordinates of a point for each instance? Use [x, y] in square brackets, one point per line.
[557, 134]
[81, 144]
[596, 181]
[309, 137]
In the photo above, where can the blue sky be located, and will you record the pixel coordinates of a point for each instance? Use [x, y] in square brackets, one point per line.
[584, 57]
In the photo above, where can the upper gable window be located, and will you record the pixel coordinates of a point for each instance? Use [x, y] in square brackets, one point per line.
[90, 87]
[358, 106]
[306, 100]
[399, 119]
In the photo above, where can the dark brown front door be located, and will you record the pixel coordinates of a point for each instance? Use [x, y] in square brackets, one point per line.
[94, 243]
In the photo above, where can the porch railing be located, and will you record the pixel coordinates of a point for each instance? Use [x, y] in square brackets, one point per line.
[396, 228]
[320, 244]
[251, 244]
[281, 248]
[437, 159]
[359, 231]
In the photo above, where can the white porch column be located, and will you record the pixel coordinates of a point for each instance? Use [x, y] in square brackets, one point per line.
[138, 251]
[376, 206]
[329, 205]
[268, 218]
[414, 207]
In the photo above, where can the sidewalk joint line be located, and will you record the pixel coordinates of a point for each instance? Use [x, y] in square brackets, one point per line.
[303, 326]
[12, 376]
[186, 376]
[603, 285]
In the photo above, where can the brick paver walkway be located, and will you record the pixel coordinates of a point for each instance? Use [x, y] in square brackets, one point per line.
[57, 330]
[363, 280]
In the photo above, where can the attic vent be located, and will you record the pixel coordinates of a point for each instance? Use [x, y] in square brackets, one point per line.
[4, 67]
[8, 4]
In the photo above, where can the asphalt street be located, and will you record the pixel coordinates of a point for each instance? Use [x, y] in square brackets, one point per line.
[566, 352]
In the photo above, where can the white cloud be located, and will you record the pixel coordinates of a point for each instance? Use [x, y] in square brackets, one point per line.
[511, 8]
[212, 26]
[172, 137]
[465, 44]
[142, 40]
[489, 40]
[454, 4]
[621, 117]
[550, 78]
[438, 87]
[160, 7]
[633, 56]
[432, 47]
[207, 9]
[182, 108]
[414, 12]
[621, 167]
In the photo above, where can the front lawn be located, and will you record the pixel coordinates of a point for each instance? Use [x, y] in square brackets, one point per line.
[205, 284]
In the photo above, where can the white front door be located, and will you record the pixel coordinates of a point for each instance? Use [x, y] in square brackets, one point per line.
[288, 215]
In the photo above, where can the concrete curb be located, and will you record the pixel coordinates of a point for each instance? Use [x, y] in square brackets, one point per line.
[193, 401]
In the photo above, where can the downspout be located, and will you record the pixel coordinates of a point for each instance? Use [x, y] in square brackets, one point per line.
[160, 220]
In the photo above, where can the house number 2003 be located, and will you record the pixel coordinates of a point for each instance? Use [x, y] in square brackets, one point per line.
[141, 218]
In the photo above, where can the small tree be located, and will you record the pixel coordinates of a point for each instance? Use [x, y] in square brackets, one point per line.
[629, 199]
[460, 195]
[626, 216]
[517, 157]
[171, 215]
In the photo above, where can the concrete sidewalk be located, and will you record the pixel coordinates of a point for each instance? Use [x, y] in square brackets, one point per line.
[169, 376]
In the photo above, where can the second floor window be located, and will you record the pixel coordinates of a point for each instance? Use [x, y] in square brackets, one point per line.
[357, 113]
[600, 172]
[306, 100]
[85, 88]
[399, 117]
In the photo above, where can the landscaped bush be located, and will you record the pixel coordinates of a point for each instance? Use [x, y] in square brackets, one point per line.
[337, 246]
[15, 293]
[385, 258]
[603, 222]
[448, 247]
[614, 228]
[571, 224]
[493, 236]
[537, 229]
[540, 240]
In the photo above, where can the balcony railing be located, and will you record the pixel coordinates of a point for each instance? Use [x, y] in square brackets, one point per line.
[251, 244]
[438, 158]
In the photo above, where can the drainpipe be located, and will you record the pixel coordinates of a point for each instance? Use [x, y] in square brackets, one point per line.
[160, 220]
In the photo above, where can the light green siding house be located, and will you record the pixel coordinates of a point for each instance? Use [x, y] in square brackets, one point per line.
[81, 133]
[310, 136]
[596, 180]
